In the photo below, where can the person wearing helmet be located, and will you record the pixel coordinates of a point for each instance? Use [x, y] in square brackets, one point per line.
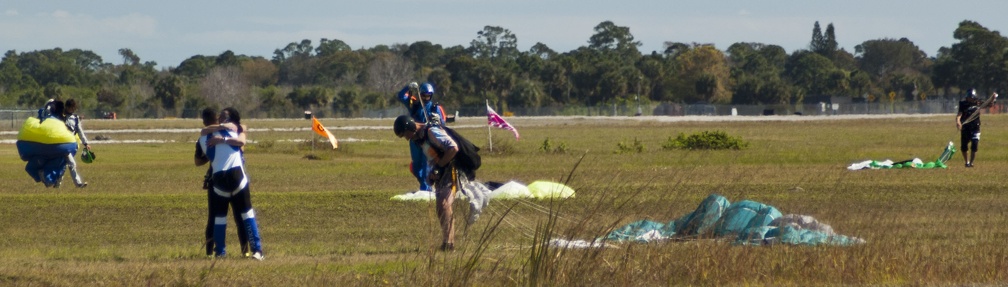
[73, 123]
[969, 133]
[440, 149]
[419, 101]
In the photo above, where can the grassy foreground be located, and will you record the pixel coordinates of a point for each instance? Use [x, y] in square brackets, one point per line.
[326, 216]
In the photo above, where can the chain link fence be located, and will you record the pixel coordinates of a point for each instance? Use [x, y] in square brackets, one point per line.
[672, 109]
[11, 119]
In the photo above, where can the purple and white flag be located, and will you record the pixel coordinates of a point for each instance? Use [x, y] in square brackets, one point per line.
[496, 120]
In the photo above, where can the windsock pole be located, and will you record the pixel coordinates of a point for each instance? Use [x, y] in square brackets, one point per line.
[489, 135]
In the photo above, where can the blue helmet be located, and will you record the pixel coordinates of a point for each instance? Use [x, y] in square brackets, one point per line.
[427, 89]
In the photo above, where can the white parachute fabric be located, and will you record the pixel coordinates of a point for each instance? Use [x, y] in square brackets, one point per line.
[478, 195]
[871, 164]
[579, 243]
[910, 163]
[476, 192]
[511, 189]
[419, 195]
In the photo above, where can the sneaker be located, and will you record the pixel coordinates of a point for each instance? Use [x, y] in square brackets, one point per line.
[57, 184]
[447, 247]
[82, 185]
[969, 164]
[258, 256]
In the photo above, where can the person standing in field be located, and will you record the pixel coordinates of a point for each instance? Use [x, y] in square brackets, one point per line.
[53, 109]
[439, 149]
[209, 116]
[418, 99]
[73, 123]
[969, 133]
[229, 181]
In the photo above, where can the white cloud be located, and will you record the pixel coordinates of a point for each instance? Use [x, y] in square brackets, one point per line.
[133, 24]
[10, 12]
[60, 14]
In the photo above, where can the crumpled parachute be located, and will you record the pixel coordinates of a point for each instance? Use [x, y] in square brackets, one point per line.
[539, 189]
[44, 145]
[479, 194]
[910, 163]
[749, 222]
[476, 192]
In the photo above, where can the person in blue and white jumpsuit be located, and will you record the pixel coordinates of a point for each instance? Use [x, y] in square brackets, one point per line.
[73, 123]
[422, 109]
[230, 181]
[210, 119]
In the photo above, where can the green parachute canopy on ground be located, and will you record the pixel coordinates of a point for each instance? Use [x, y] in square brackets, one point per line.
[910, 163]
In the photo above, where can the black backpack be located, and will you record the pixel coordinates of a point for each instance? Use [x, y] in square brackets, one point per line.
[467, 159]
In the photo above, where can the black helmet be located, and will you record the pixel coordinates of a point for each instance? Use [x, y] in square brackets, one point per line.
[402, 123]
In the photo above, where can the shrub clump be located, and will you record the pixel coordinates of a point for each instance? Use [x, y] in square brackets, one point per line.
[705, 140]
[635, 147]
[549, 146]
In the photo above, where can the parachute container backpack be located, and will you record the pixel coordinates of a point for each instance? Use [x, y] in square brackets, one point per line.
[468, 159]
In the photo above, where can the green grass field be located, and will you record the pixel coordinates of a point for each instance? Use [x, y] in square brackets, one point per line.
[326, 216]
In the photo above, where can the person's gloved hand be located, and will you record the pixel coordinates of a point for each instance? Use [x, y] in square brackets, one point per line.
[414, 85]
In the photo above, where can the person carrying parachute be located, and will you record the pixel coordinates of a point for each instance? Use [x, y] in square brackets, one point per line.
[418, 99]
[44, 143]
[968, 124]
[452, 161]
[73, 123]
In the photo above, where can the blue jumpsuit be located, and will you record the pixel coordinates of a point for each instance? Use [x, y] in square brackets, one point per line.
[417, 111]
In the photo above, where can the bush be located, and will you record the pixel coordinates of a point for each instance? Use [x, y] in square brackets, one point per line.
[705, 140]
[501, 146]
[636, 146]
[551, 147]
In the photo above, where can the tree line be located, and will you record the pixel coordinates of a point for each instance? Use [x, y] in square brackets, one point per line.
[332, 78]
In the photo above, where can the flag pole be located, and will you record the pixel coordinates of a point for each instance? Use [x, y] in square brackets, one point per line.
[489, 136]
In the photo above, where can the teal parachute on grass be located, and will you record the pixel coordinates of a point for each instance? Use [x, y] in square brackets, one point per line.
[747, 222]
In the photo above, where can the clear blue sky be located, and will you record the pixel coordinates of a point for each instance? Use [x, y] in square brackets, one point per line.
[168, 32]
